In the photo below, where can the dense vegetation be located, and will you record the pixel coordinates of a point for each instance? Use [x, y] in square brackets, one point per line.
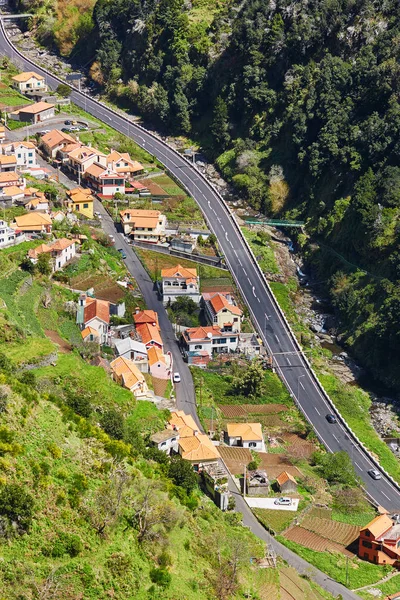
[298, 105]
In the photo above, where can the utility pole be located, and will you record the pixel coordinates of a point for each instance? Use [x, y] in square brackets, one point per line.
[244, 482]
[347, 571]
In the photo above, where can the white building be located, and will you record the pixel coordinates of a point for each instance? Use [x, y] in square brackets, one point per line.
[212, 340]
[221, 310]
[9, 236]
[61, 251]
[28, 82]
[94, 313]
[133, 350]
[166, 440]
[245, 435]
[180, 281]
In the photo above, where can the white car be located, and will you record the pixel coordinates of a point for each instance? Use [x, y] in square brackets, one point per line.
[283, 501]
[176, 378]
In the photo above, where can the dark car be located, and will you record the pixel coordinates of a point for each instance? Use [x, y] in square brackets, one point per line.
[331, 419]
[67, 122]
[66, 129]
[122, 252]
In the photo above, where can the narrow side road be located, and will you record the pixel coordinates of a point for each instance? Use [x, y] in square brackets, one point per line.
[185, 393]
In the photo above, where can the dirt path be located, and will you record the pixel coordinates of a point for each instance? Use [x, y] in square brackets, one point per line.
[54, 337]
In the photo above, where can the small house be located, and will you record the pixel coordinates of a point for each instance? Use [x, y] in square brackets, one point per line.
[29, 81]
[180, 281]
[211, 339]
[160, 364]
[199, 450]
[61, 251]
[257, 483]
[133, 350]
[245, 435]
[126, 373]
[104, 181]
[33, 222]
[286, 483]
[34, 113]
[379, 541]
[55, 141]
[143, 225]
[9, 236]
[80, 201]
[89, 334]
[166, 440]
[220, 309]
[94, 313]
[146, 324]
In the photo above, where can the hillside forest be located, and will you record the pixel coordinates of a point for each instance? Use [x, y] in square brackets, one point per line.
[298, 105]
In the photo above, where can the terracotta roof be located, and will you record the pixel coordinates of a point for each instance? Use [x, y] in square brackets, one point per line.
[21, 77]
[149, 333]
[56, 137]
[79, 190]
[34, 252]
[7, 160]
[284, 477]
[141, 218]
[69, 147]
[379, 525]
[179, 271]
[247, 431]
[84, 152]
[183, 423]
[89, 331]
[139, 214]
[32, 219]
[28, 145]
[62, 244]
[97, 308]
[197, 448]
[218, 302]
[201, 333]
[13, 190]
[95, 170]
[145, 316]
[34, 109]
[8, 176]
[36, 201]
[127, 369]
[155, 355]
[29, 191]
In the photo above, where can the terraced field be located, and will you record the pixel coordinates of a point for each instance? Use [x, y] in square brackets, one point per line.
[313, 541]
[274, 464]
[296, 442]
[235, 458]
[341, 533]
[243, 410]
[293, 587]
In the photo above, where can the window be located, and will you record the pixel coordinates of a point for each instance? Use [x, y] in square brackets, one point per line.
[215, 320]
[367, 544]
[232, 340]
[198, 347]
[252, 445]
[30, 154]
[86, 206]
[173, 440]
[163, 443]
[224, 310]
[30, 162]
[367, 533]
[235, 319]
[19, 155]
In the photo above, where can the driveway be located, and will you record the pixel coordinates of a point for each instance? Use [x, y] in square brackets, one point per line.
[185, 393]
[269, 503]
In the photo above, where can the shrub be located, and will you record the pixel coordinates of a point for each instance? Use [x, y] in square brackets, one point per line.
[160, 577]
[80, 404]
[29, 378]
[252, 466]
[165, 559]
[16, 506]
[182, 474]
[113, 423]
[66, 543]
[54, 450]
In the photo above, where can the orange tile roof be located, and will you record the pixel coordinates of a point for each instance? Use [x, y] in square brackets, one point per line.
[29, 191]
[34, 252]
[32, 219]
[26, 75]
[149, 333]
[89, 331]
[28, 145]
[198, 448]
[79, 190]
[155, 355]
[97, 308]
[62, 244]
[202, 333]
[84, 152]
[145, 316]
[8, 176]
[183, 423]
[13, 190]
[219, 301]
[179, 271]
[95, 170]
[125, 368]
[34, 109]
[56, 137]
[379, 525]
[284, 477]
[247, 431]
[7, 160]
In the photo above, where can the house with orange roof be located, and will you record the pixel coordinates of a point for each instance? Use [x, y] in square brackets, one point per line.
[198, 450]
[9, 178]
[184, 424]
[62, 251]
[145, 316]
[54, 141]
[34, 113]
[146, 324]
[286, 483]
[90, 334]
[121, 163]
[38, 202]
[80, 200]
[160, 365]
[104, 180]
[211, 339]
[221, 310]
[13, 193]
[379, 541]
[2, 133]
[24, 153]
[94, 313]
[80, 159]
[33, 222]
[7, 163]
[245, 435]
[143, 225]
[29, 81]
[180, 281]
[126, 373]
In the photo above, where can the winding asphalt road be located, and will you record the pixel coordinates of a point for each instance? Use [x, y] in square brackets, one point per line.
[291, 365]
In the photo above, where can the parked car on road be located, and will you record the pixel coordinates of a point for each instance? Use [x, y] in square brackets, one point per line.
[122, 252]
[177, 378]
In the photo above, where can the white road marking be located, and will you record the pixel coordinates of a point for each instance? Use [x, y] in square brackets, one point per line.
[386, 495]
[209, 203]
[277, 339]
[235, 253]
[300, 383]
[244, 271]
[316, 409]
[226, 235]
[258, 299]
[248, 279]
[357, 465]
[240, 262]
[288, 361]
[254, 291]
[336, 438]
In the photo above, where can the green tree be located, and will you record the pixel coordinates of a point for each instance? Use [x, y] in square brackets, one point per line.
[249, 382]
[220, 124]
[44, 263]
[113, 423]
[16, 506]
[337, 468]
[182, 474]
[63, 90]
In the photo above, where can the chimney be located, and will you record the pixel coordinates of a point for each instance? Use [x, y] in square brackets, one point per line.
[82, 300]
[137, 310]
[196, 432]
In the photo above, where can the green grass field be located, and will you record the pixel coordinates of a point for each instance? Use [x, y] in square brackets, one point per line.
[265, 251]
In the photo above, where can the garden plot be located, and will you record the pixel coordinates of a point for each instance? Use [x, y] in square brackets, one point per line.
[316, 542]
[274, 464]
[235, 458]
[341, 533]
